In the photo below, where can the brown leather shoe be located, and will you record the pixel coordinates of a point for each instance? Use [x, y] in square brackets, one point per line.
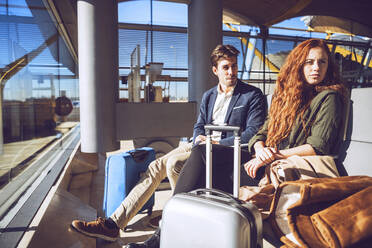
[96, 229]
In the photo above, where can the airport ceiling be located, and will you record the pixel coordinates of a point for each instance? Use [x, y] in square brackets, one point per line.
[348, 16]
[269, 12]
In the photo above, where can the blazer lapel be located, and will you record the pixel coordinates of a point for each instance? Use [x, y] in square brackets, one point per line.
[234, 98]
[212, 101]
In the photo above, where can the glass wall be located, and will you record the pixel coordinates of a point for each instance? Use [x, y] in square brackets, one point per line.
[169, 48]
[39, 87]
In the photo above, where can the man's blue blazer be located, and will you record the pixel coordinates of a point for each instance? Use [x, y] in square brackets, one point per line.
[247, 109]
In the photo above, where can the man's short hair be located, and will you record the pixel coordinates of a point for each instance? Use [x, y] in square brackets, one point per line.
[223, 51]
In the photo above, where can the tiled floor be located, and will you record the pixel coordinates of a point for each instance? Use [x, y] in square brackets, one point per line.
[54, 229]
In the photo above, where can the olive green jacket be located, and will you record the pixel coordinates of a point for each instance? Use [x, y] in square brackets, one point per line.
[324, 120]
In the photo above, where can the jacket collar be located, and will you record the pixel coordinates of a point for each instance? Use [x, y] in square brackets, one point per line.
[212, 101]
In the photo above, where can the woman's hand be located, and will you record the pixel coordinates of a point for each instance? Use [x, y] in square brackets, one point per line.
[266, 154]
[252, 166]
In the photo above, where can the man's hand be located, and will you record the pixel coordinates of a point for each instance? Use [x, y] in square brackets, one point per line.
[201, 139]
[252, 166]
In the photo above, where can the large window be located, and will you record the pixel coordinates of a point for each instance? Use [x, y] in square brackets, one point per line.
[169, 48]
[39, 88]
[259, 61]
[163, 13]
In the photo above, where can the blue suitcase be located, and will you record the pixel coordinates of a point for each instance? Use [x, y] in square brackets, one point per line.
[122, 173]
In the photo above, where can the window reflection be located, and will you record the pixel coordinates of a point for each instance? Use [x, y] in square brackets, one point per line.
[36, 72]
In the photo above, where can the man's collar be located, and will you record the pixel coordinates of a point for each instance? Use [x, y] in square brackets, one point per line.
[219, 90]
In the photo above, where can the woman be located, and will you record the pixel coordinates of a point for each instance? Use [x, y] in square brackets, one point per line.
[305, 118]
[306, 114]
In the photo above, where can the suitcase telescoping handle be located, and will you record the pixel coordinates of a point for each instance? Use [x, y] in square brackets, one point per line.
[217, 193]
[237, 158]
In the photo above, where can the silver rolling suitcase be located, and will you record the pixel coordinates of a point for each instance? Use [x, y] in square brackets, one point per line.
[211, 218]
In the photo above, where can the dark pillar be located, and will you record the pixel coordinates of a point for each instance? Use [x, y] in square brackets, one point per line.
[204, 34]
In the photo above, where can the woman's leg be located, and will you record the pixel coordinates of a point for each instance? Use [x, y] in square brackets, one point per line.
[193, 172]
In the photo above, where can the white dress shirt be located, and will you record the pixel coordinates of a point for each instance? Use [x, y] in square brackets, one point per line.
[220, 109]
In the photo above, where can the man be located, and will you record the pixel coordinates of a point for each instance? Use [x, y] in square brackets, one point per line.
[231, 101]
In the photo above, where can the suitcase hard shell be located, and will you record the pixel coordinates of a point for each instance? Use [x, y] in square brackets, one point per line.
[122, 173]
[211, 218]
[216, 220]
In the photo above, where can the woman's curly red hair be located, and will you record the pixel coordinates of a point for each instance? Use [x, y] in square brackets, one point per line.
[293, 94]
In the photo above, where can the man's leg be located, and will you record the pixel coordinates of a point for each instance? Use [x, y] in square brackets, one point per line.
[193, 172]
[193, 177]
[175, 164]
[140, 194]
[137, 197]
